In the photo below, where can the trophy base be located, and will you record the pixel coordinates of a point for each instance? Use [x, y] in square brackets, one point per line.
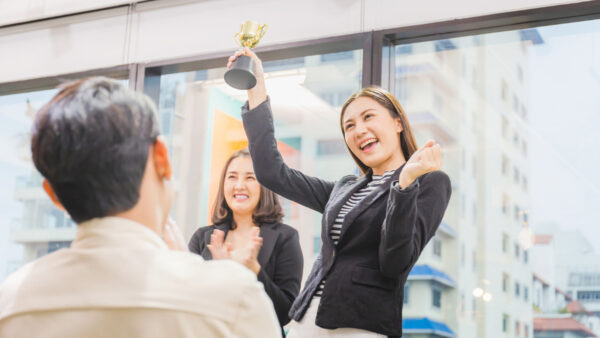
[241, 75]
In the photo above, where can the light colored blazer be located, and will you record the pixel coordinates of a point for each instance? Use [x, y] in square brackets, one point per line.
[119, 279]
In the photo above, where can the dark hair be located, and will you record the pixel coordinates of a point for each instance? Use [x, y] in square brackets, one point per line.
[408, 144]
[268, 209]
[91, 142]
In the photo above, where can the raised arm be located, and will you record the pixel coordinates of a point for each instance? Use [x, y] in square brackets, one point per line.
[413, 216]
[415, 208]
[269, 167]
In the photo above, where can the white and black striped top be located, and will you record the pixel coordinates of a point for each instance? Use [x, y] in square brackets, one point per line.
[352, 202]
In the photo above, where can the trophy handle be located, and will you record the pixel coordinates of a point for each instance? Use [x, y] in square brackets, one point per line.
[238, 38]
[262, 29]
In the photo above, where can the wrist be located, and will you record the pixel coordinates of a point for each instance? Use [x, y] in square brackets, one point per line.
[255, 267]
[405, 180]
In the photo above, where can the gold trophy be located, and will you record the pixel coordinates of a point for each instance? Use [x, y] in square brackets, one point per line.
[241, 74]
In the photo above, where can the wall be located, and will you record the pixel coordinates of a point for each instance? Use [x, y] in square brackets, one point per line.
[168, 29]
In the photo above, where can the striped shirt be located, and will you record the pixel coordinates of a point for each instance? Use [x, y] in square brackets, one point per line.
[351, 203]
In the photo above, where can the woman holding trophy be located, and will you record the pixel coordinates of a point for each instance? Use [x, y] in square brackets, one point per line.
[374, 226]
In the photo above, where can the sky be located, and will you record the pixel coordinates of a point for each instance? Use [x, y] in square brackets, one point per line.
[565, 129]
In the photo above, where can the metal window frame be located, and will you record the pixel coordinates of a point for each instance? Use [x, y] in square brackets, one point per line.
[376, 47]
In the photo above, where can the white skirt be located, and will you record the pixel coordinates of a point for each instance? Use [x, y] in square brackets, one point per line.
[306, 327]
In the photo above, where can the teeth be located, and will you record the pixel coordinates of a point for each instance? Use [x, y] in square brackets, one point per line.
[364, 145]
[243, 197]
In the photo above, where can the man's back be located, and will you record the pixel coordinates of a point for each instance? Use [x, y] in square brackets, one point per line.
[118, 279]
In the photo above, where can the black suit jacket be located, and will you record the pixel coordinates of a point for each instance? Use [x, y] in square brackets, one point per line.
[280, 258]
[380, 241]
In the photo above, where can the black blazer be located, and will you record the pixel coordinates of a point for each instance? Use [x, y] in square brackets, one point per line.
[280, 258]
[380, 241]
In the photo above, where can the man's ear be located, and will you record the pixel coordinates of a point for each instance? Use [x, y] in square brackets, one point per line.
[161, 158]
[52, 195]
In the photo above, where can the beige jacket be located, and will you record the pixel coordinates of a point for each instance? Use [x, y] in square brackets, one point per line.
[118, 279]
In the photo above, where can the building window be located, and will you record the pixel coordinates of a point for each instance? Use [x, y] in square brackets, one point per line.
[406, 292]
[516, 139]
[525, 293]
[517, 175]
[517, 213]
[520, 73]
[525, 330]
[505, 240]
[525, 256]
[505, 204]
[505, 281]
[524, 148]
[436, 297]
[505, 323]
[504, 165]
[517, 250]
[516, 103]
[524, 183]
[517, 289]
[504, 127]
[517, 328]
[437, 247]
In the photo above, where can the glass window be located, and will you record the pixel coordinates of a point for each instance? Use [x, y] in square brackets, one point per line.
[202, 122]
[520, 83]
[436, 296]
[437, 247]
[33, 226]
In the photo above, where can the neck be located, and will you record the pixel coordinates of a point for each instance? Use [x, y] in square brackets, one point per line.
[392, 163]
[149, 217]
[243, 221]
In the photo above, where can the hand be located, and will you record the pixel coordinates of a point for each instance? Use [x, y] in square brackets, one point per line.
[258, 94]
[218, 249]
[173, 236]
[248, 255]
[425, 160]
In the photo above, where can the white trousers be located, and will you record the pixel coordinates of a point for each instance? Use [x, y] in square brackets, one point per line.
[306, 327]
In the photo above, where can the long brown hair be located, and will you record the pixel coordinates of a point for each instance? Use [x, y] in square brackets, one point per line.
[386, 99]
[268, 209]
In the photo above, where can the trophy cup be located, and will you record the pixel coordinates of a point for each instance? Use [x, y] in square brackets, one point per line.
[241, 74]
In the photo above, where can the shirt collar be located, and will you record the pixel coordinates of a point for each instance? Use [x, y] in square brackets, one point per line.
[115, 231]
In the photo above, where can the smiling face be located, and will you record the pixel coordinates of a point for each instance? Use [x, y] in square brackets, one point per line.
[241, 189]
[372, 134]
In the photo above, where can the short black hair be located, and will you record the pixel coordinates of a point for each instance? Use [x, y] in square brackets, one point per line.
[91, 142]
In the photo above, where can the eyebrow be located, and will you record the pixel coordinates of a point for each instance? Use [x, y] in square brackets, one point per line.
[235, 172]
[361, 114]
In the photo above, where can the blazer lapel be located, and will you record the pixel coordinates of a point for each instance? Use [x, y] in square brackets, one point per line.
[270, 237]
[368, 201]
[340, 199]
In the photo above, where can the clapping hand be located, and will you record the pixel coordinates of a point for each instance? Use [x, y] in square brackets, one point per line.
[173, 236]
[246, 255]
[425, 160]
